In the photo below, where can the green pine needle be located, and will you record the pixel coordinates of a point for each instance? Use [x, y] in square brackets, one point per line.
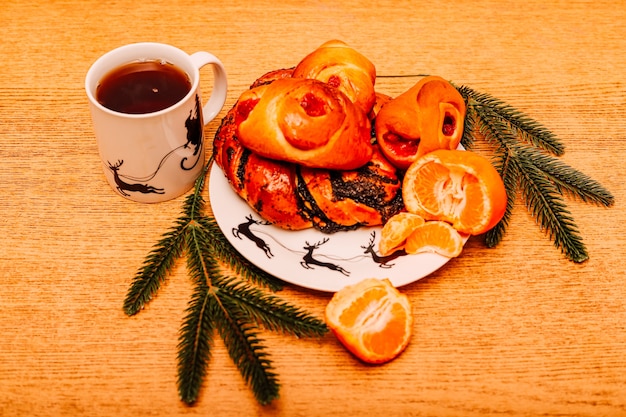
[570, 181]
[284, 317]
[195, 342]
[526, 158]
[232, 307]
[235, 261]
[155, 269]
[520, 124]
[546, 205]
[247, 351]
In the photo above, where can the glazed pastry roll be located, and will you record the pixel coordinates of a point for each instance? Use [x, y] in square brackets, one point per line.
[428, 116]
[342, 67]
[304, 121]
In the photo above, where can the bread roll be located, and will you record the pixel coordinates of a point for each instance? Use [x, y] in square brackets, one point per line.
[304, 121]
[294, 197]
[342, 67]
[428, 116]
[267, 185]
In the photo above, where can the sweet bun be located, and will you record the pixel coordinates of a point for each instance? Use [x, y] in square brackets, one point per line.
[267, 185]
[294, 197]
[304, 121]
[428, 116]
[344, 68]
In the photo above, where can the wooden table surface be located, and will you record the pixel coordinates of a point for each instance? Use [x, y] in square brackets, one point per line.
[514, 330]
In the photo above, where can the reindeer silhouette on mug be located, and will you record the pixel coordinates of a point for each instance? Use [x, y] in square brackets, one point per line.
[123, 186]
[308, 260]
[193, 124]
[382, 261]
[244, 229]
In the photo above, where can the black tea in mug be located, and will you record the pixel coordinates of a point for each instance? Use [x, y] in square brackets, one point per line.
[143, 87]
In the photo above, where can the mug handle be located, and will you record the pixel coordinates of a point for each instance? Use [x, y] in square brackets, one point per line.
[220, 84]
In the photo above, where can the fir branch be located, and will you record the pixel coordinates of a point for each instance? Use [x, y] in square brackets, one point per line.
[247, 351]
[194, 204]
[544, 202]
[160, 261]
[270, 311]
[526, 128]
[195, 342]
[224, 251]
[228, 311]
[155, 269]
[520, 146]
[495, 131]
[569, 180]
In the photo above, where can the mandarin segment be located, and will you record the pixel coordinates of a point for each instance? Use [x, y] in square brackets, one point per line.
[459, 187]
[396, 230]
[435, 237]
[372, 319]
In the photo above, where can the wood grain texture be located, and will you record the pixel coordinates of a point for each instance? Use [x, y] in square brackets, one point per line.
[514, 330]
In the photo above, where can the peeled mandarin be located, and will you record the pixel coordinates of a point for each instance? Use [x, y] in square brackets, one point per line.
[459, 187]
[372, 319]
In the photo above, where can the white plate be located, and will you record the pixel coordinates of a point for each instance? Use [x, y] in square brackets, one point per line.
[344, 257]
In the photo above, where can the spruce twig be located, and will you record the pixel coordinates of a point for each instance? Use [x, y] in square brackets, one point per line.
[544, 202]
[230, 306]
[155, 269]
[524, 127]
[569, 180]
[526, 158]
[195, 342]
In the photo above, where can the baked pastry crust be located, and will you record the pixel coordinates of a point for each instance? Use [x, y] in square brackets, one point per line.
[304, 121]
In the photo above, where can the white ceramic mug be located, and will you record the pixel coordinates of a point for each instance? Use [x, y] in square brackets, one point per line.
[156, 156]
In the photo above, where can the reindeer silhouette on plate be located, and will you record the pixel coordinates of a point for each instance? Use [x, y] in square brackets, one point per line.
[244, 229]
[308, 260]
[382, 261]
[311, 257]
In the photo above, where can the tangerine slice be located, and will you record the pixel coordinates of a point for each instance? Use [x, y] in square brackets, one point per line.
[372, 319]
[459, 187]
[394, 233]
[435, 237]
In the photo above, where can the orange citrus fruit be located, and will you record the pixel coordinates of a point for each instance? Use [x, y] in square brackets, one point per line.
[372, 319]
[395, 231]
[435, 237]
[459, 187]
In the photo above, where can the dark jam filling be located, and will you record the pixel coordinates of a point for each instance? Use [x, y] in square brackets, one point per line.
[400, 146]
[244, 108]
[449, 125]
[313, 105]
